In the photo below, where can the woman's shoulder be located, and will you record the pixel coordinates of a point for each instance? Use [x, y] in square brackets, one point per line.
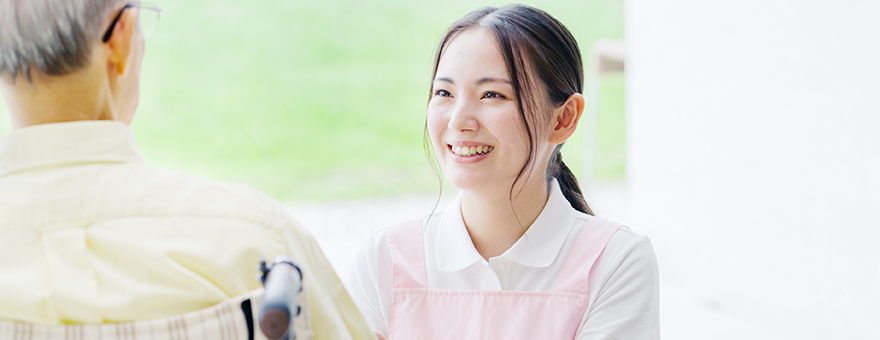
[624, 242]
[376, 244]
[623, 233]
[373, 260]
[630, 243]
[379, 237]
[628, 252]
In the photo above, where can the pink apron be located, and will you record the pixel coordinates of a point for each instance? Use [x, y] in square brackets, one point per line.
[421, 313]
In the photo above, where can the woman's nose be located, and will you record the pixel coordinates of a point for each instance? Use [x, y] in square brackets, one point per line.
[462, 117]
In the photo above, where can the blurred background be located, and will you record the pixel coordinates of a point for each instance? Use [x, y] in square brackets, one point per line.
[318, 100]
[741, 137]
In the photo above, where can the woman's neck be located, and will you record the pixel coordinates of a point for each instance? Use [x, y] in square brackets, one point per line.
[495, 221]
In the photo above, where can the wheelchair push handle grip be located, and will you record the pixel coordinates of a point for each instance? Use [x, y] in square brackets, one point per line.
[282, 283]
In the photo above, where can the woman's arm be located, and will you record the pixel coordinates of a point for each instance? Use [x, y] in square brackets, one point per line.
[626, 305]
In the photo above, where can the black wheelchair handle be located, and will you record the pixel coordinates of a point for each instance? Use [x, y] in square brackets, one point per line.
[282, 283]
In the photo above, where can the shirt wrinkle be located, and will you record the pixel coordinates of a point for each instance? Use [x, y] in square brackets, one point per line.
[63, 144]
[110, 213]
[90, 234]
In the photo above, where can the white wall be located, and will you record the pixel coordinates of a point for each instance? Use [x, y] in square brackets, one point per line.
[753, 158]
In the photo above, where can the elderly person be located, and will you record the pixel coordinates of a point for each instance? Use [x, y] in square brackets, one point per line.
[89, 234]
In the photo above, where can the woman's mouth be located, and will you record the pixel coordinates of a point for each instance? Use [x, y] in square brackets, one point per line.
[467, 151]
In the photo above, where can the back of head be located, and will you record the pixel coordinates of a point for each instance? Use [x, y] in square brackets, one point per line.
[53, 37]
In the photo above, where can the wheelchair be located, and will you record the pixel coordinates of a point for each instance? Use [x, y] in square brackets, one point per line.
[276, 308]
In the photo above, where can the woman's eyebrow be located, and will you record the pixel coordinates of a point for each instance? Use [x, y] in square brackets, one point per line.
[481, 81]
[492, 80]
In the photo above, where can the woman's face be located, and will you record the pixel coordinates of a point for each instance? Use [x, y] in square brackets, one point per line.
[476, 131]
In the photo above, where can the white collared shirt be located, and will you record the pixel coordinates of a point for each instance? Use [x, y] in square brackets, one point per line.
[624, 295]
[91, 234]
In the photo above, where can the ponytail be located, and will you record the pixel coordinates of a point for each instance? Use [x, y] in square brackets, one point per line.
[567, 182]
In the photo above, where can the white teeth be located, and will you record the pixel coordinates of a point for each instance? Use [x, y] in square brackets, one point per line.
[471, 151]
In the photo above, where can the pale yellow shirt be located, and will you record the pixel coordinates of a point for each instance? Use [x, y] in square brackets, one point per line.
[91, 234]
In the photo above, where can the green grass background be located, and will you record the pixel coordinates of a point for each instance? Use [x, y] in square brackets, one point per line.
[322, 99]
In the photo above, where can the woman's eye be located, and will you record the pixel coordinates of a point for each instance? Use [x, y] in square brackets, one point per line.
[442, 93]
[493, 95]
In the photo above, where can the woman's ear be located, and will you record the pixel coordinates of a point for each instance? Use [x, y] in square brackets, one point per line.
[565, 118]
[121, 41]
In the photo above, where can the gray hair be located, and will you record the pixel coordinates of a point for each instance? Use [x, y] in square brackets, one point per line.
[54, 37]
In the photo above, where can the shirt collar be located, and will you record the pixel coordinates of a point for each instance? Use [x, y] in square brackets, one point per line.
[455, 249]
[542, 242]
[538, 247]
[58, 144]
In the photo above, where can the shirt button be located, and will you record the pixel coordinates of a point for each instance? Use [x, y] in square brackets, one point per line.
[501, 267]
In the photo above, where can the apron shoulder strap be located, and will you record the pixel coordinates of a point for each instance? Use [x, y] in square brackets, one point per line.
[407, 255]
[587, 248]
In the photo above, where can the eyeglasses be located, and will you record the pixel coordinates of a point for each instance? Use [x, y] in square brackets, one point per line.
[148, 20]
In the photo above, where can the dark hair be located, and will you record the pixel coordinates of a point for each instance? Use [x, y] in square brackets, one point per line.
[531, 40]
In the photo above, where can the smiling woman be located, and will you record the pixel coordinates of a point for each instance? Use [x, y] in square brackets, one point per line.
[518, 255]
[474, 106]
